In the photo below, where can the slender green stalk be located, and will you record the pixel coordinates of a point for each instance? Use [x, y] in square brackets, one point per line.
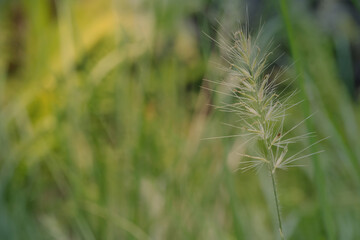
[271, 167]
[277, 204]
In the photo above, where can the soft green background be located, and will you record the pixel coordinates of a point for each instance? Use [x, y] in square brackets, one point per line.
[102, 116]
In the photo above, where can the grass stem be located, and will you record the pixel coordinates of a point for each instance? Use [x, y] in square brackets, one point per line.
[277, 203]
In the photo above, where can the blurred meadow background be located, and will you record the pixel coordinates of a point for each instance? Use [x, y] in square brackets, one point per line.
[103, 109]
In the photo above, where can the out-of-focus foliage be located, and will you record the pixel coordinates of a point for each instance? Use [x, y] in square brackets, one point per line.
[102, 116]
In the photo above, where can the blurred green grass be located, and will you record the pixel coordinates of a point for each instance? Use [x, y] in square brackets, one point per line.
[102, 117]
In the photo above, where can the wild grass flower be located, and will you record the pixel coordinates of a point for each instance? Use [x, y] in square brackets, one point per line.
[261, 110]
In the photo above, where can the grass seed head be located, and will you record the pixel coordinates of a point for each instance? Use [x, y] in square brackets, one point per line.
[261, 110]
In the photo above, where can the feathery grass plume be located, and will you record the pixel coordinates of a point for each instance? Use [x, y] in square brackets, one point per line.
[261, 111]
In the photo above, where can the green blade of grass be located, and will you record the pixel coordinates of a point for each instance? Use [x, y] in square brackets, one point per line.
[328, 222]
